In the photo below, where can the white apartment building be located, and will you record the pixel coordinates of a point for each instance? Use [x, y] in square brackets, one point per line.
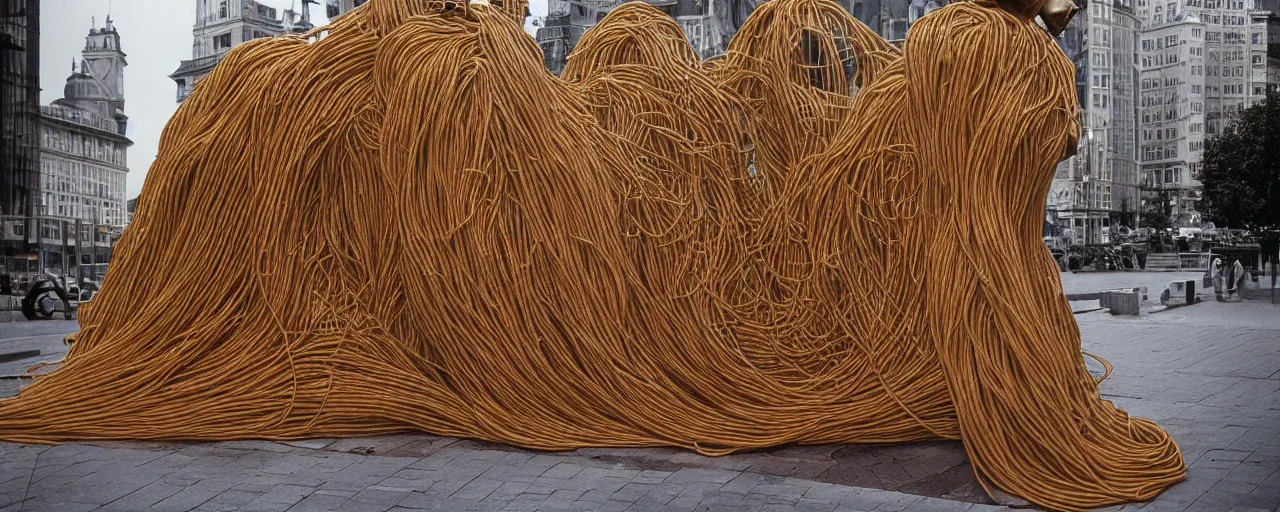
[82, 166]
[1202, 62]
[1095, 192]
[222, 25]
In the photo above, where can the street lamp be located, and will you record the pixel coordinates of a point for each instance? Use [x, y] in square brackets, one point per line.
[1088, 199]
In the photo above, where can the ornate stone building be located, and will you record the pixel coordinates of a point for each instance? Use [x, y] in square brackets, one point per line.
[709, 24]
[223, 24]
[83, 161]
[335, 8]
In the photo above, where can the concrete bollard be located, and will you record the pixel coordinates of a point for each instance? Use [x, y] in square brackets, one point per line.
[1122, 302]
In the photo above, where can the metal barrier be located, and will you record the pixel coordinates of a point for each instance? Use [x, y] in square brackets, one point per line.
[1187, 261]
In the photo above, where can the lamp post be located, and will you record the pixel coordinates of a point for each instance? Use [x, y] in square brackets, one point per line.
[1088, 195]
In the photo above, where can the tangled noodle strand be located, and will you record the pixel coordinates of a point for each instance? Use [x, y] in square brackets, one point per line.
[405, 223]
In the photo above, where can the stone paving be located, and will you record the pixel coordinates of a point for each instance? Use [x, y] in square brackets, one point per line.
[416, 473]
[45, 336]
[1208, 373]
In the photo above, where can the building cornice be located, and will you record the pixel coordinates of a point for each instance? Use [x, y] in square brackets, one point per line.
[197, 67]
[85, 129]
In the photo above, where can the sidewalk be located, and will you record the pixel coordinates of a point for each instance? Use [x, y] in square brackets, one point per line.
[1154, 282]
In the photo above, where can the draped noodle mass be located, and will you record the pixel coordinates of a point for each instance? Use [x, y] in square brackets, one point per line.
[405, 223]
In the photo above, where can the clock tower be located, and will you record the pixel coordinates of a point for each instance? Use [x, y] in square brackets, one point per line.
[103, 62]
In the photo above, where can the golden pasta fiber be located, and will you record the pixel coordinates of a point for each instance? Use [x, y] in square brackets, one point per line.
[405, 223]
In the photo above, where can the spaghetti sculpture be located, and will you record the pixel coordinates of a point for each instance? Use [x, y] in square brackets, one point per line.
[410, 225]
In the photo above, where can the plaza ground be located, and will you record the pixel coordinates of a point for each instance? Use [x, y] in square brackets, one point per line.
[1208, 373]
[1089, 282]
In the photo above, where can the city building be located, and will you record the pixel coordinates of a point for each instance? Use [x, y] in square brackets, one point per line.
[19, 107]
[83, 161]
[891, 18]
[83, 145]
[335, 8]
[709, 25]
[74, 207]
[1095, 194]
[223, 24]
[20, 131]
[1202, 62]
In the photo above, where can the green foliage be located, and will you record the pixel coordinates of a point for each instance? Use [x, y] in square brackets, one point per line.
[1156, 218]
[1242, 173]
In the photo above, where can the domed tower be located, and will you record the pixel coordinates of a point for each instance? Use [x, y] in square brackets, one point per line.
[99, 83]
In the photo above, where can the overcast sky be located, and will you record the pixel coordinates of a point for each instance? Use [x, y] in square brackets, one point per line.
[155, 36]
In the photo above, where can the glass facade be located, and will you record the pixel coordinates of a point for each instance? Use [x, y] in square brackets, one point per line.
[19, 105]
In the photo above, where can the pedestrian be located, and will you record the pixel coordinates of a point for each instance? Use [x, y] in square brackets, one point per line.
[1216, 272]
[1237, 276]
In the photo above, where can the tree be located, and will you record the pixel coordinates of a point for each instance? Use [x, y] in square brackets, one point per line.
[1242, 174]
[1156, 215]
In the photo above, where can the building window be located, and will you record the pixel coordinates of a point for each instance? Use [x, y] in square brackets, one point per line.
[222, 9]
[222, 42]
